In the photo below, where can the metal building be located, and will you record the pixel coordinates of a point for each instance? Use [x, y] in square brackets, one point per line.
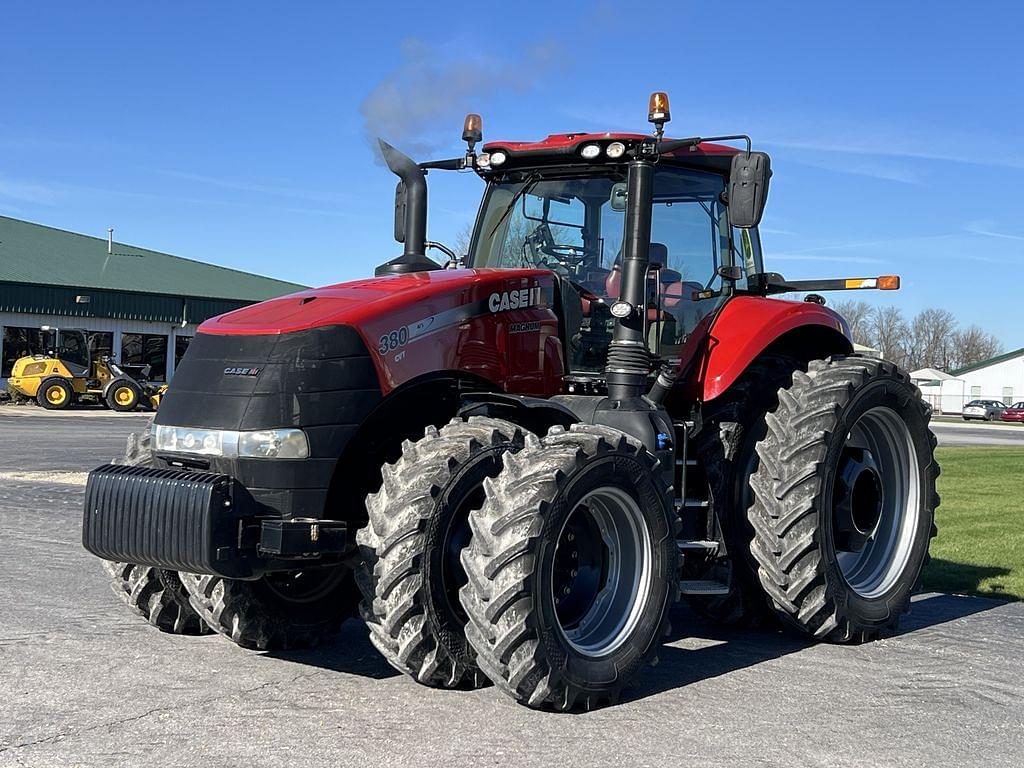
[138, 305]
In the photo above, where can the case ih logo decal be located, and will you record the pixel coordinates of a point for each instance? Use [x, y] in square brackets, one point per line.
[242, 371]
[521, 299]
[496, 302]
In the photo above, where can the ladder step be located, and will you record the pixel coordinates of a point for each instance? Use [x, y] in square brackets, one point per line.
[702, 587]
[697, 545]
[692, 504]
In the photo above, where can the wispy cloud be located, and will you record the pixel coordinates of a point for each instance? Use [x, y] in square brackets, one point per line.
[985, 227]
[52, 193]
[814, 257]
[861, 167]
[30, 191]
[856, 245]
[242, 185]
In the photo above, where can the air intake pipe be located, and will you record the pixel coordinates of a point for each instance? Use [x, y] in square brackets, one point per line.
[410, 214]
[629, 358]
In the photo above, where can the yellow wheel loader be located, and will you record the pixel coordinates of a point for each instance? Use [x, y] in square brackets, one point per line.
[67, 373]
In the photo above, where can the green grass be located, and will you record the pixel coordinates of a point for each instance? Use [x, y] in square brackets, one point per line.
[980, 546]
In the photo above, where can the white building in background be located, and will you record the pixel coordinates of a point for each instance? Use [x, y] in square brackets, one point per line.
[998, 378]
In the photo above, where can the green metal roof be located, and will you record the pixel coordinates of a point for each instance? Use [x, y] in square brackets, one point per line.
[38, 255]
[991, 361]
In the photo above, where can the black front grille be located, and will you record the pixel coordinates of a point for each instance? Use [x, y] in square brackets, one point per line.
[180, 520]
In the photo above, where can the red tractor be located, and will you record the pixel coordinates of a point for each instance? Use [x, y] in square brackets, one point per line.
[517, 462]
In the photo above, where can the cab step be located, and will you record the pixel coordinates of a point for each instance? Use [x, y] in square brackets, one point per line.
[702, 587]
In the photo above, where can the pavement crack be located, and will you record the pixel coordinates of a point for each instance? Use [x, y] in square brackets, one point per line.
[54, 738]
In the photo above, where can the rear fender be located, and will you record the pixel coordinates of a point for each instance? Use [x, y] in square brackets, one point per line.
[748, 326]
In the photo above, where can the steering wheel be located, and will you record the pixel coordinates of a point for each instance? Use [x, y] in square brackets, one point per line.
[564, 252]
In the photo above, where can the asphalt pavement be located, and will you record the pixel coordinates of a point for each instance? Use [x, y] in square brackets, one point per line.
[956, 432]
[84, 682]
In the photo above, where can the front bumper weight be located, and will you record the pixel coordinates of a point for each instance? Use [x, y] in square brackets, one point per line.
[198, 522]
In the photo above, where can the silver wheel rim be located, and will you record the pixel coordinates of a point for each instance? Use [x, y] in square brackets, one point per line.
[876, 502]
[612, 608]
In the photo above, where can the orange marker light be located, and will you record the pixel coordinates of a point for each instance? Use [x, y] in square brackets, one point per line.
[473, 128]
[889, 283]
[657, 108]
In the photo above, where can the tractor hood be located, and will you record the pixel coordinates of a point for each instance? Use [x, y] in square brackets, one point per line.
[358, 302]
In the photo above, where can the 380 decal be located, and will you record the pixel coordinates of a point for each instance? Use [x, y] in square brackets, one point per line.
[393, 340]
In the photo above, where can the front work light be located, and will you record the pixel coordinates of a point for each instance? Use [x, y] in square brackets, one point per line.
[615, 150]
[498, 158]
[230, 443]
[621, 309]
[590, 151]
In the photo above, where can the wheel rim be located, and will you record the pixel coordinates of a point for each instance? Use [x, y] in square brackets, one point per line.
[875, 502]
[456, 538]
[55, 395]
[602, 571]
[124, 396]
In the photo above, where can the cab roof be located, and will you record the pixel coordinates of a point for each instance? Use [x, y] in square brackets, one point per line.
[562, 148]
[561, 141]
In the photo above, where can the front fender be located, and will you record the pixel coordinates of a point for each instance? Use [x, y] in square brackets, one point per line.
[747, 326]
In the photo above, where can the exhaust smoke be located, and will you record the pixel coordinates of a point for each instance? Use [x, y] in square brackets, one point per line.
[420, 105]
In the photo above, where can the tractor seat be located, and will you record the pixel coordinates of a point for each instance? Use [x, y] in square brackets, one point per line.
[671, 286]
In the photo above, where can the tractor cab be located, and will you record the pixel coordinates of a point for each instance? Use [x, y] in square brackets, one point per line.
[570, 219]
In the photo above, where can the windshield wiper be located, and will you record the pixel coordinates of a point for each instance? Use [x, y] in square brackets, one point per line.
[527, 183]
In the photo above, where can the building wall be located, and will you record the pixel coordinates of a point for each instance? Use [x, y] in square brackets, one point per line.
[116, 326]
[1002, 381]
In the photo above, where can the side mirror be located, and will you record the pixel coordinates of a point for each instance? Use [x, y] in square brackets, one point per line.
[400, 212]
[617, 198]
[748, 188]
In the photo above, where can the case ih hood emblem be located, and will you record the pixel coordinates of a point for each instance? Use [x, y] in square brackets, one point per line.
[521, 299]
[242, 371]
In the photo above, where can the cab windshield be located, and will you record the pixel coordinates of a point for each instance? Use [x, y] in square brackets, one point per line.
[573, 225]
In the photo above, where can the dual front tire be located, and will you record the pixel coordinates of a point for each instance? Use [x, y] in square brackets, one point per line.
[546, 566]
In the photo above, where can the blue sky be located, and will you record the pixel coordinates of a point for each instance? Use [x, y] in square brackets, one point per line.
[236, 133]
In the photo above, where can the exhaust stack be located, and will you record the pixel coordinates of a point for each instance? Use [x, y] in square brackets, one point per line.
[410, 214]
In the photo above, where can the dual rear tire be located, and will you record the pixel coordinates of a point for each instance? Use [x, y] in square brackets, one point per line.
[844, 499]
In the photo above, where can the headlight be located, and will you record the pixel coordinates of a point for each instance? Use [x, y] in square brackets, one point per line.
[230, 443]
[273, 444]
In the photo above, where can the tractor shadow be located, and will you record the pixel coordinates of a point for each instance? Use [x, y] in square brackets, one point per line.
[962, 578]
[716, 650]
[351, 652]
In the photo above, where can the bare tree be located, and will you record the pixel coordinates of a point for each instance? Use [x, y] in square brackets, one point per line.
[972, 345]
[857, 315]
[463, 239]
[888, 332]
[931, 339]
